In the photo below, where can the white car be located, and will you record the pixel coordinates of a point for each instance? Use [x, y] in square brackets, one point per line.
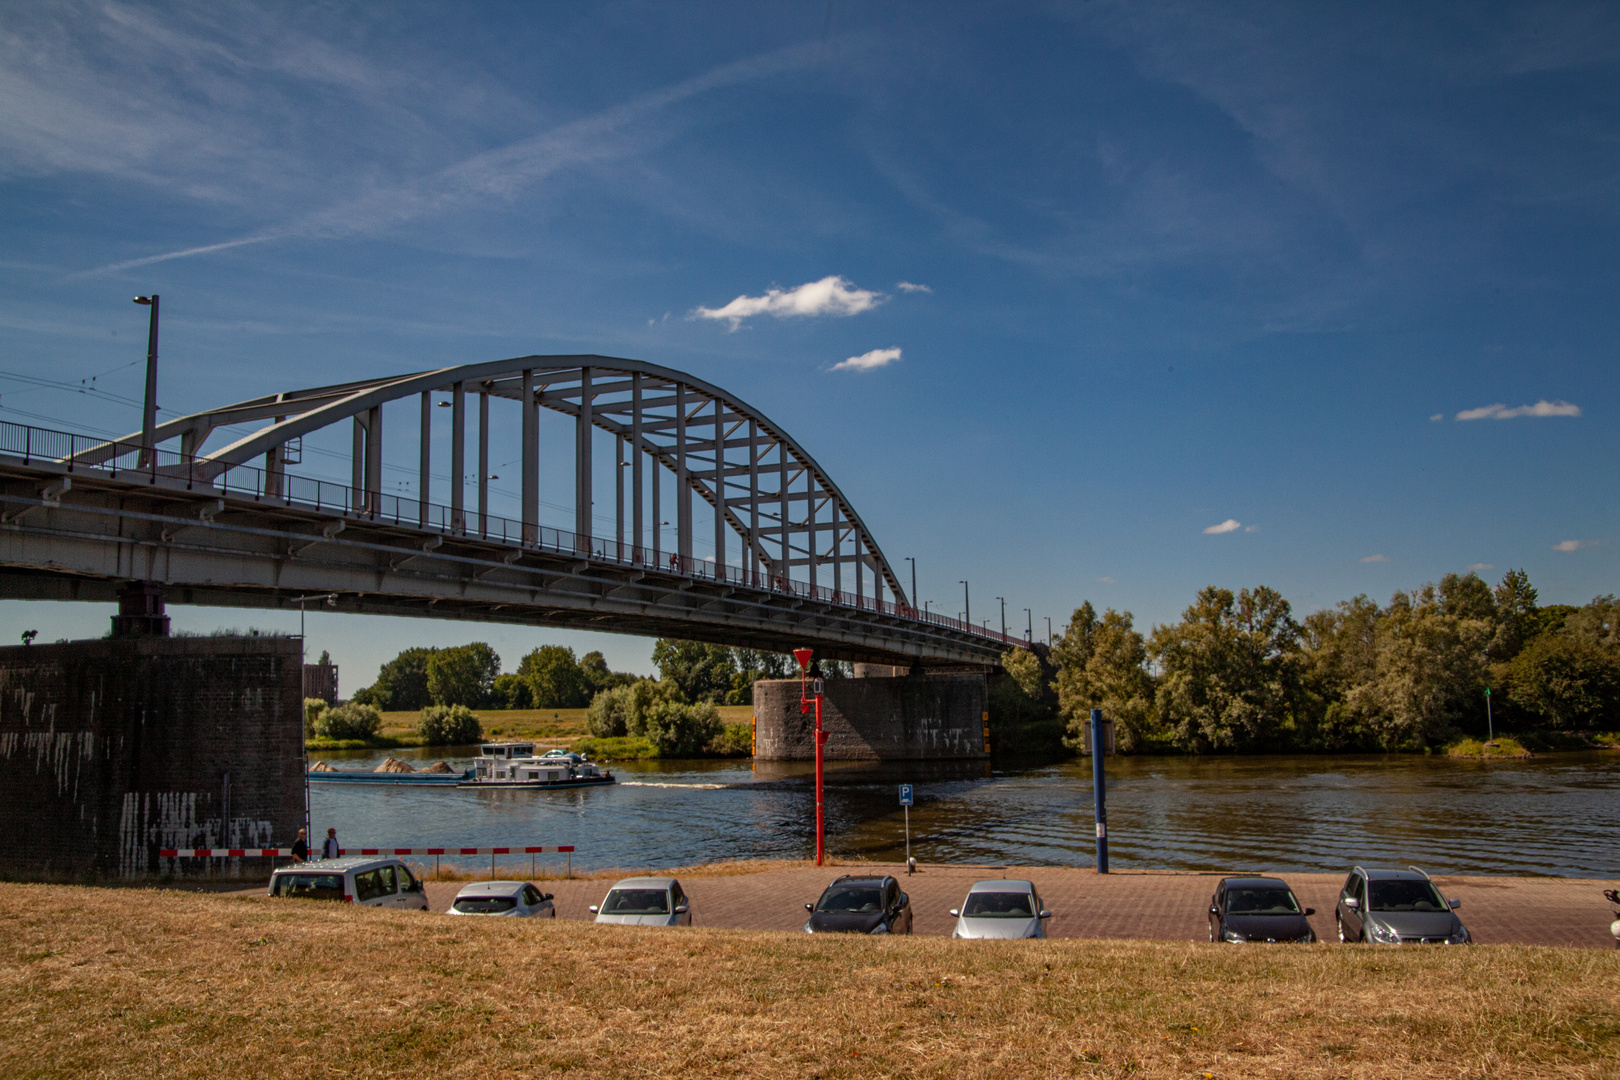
[515, 898]
[645, 901]
[369, 880]
[1001, 908]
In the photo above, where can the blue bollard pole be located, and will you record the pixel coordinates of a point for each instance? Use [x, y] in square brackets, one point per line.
[1099, 790]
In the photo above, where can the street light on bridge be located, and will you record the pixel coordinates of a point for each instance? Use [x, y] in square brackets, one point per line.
[912, 560]
[967, 609]
[149, 409]
[1003, 600]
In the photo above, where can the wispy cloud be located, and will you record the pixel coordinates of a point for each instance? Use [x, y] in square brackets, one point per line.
[1480, 566]
[909, 286]
[1571, 545]
[1229, 525]
[1374, 558]
[506, 172]
[1106, 580]
[1437, 417]
[832, 295]
[869, 361]
[1502, 412]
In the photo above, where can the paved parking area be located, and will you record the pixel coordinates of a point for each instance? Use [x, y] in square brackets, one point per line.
[1168, 906]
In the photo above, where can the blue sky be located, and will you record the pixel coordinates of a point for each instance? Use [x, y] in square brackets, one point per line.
[1197, 293]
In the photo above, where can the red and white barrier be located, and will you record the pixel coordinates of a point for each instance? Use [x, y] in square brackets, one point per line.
[270, 852]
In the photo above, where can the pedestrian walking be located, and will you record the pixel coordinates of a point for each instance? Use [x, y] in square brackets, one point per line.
[329, 847]
[300, 848]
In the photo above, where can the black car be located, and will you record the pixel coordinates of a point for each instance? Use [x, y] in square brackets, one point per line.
[1257, 909]
[855, 904]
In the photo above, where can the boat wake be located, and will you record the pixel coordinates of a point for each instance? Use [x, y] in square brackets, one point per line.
[660, 783]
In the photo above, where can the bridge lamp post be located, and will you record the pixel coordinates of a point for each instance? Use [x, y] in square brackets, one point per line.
[913, 563]
[967, 608]
[1049, 631]
[1029, 626]
[818, 687]
[1003, 615]
[303, 658]
[149, 408]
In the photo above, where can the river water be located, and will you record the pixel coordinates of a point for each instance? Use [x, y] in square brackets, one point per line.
[1551, 815]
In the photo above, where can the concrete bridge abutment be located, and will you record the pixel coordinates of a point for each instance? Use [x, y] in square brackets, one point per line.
[875, 717]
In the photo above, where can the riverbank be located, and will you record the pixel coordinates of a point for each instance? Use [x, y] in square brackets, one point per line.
[121, 983]
[547, 728]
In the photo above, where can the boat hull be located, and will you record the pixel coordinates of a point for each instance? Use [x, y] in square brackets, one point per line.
[540, 785]
[405, 779]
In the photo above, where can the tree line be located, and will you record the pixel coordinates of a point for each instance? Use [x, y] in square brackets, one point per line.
[1239, 673]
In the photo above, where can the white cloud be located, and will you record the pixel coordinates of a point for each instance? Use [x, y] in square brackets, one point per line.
[1569, 545]
[908, 286]
[1229, 525]
[1480, 566]
[832, 295]
[1502, 412]
[1438, 416]
[870, 361]
[1251, 528]
[1375, 558]
[1106, 580]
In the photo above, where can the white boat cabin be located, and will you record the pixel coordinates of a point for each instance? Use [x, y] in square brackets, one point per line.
[515, 762]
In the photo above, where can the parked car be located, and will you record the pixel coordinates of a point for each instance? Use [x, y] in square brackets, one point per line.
[513, 898]
[1397, 907]
[372, 881]
[1001, 908]
[856, 904]
[645, 901]
[1257, 909]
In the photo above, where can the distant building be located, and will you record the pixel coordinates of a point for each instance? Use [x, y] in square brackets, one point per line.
[321, 681]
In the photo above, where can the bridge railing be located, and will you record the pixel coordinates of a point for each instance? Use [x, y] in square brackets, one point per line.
[133, 463]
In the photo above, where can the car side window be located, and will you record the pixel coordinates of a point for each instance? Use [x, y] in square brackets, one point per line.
[386, 884]
[1359, 891]
[367, 886]
[894, 894]
[531, 895]
[407, 883]
[1349, 886]
[676, 895]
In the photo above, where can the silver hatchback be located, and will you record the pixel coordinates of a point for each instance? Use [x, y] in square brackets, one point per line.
[1397, 907]
[1001, 908]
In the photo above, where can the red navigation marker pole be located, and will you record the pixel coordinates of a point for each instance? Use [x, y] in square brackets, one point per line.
[803, 657]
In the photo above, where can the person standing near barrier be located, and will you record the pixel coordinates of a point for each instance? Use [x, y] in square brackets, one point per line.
[300, 847]
[329, 847]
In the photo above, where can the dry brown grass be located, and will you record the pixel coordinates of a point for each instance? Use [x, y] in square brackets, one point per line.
[559, 725]
[116, 983]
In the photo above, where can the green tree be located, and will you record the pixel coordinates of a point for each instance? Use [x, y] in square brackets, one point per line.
[1597, 622]
[1102, 664]
[464, 675]
[511, 691]
[1230, 670]
[702, 671]
[313, 707]
[680, 730]
[554, 678]
[1339, 650]
[1466, 596]
[622, 710]
[752, 665]
[1564, 681]
[448, 725]
[402, 683]
[1428, 670]
[593, 666]
[1516, 614]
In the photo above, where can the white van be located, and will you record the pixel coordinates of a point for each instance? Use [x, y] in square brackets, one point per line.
[369, 880]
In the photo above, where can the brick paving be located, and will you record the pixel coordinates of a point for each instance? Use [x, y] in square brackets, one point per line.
[1166, 906]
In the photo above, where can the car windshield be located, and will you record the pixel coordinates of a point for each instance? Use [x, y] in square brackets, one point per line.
[999, 905]
[860, 899]
[309, 886]
[485, 905]
[1409, 895]
[1261, 902]
[636, 902]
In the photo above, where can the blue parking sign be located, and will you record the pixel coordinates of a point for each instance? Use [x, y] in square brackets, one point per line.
[905, 795]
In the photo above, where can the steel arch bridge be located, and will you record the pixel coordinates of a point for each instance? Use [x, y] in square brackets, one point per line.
[792, 563]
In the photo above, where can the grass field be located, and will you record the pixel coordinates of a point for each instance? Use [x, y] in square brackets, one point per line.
[557, 725]
[141, 983]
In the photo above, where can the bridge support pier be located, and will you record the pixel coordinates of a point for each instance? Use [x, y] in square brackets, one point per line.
[876, 718]
[140, 611]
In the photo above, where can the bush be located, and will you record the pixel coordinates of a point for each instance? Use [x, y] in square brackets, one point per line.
[350, 721]
[734, 740]
[448, 725]
[679, 730]
[622, 710]
[313, 707]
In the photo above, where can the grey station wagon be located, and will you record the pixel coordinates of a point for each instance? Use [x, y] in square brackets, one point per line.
[1397, 907]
